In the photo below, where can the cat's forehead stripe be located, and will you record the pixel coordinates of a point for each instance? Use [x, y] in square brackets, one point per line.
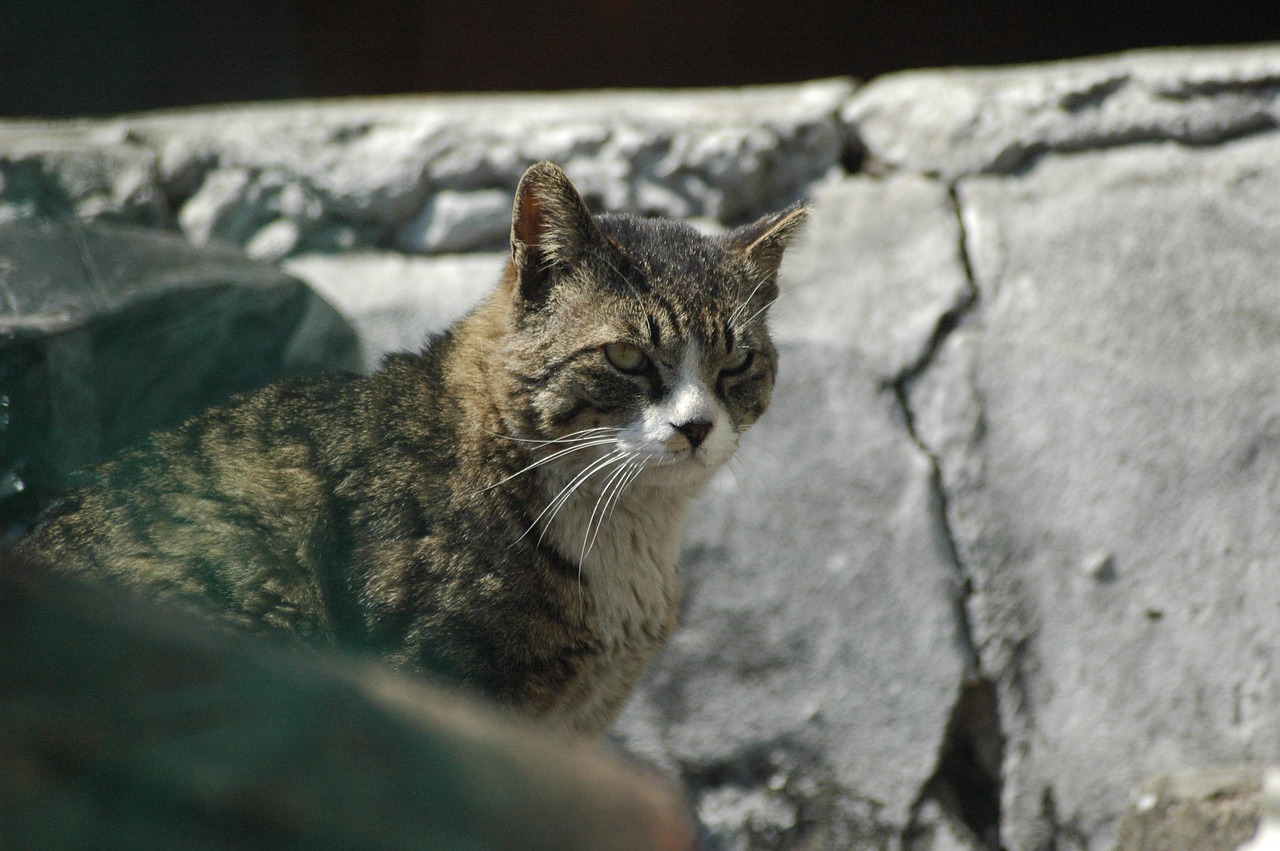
[671, 314]
[655, 332]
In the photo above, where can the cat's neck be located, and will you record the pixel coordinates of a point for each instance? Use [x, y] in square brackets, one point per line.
[605, 526]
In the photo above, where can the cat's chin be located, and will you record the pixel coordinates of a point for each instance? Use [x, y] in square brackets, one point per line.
[687, 473]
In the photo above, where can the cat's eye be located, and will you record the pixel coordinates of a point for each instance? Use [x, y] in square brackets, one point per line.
[626, 357]
[737, 362]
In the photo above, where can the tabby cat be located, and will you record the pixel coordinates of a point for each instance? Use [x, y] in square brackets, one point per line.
[504, 507]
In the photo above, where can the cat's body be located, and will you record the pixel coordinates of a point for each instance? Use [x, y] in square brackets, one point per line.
[504, 507]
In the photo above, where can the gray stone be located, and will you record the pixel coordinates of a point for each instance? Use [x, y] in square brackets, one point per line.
[876, 267]
[90, 170]
[459, 221]
[1208, 809]
[267, 212]
[963, 121]
[1114, 391]
[394, 301]
[108, 332]
[379, 166]
[423, 173]
[820, 652]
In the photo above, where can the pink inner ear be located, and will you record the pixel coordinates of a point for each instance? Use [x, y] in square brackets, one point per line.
[530, 224]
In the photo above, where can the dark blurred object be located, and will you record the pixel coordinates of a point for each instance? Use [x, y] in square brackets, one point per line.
[65, 57]
[108, 332]
[127, 724]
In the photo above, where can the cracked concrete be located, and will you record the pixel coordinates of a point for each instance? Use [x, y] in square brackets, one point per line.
[966, 785]
[1005, 543]
[1120, 358]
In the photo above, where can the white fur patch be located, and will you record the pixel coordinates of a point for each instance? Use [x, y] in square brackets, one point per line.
[655, 435]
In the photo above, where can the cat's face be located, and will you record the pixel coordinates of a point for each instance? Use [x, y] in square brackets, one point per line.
[640, 347]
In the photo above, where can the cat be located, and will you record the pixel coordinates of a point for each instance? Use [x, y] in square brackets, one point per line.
[503, 508]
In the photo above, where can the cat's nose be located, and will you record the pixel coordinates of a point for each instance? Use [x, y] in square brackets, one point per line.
[695, 430]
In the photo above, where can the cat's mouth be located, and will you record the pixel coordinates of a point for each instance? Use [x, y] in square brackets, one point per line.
[682, 459]
[688, 466]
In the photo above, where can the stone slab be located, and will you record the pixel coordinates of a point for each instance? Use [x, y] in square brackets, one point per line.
[108, 332]
[965, 121]
[877, 265]
[396, 300]
[1106, 420]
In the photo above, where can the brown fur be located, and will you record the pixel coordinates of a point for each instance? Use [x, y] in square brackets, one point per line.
[397, 512]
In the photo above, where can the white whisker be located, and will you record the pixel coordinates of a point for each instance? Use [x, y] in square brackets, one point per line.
[742, 305]
[637, 467]
[741, 463]
[560, 453]
[597, 517]
[568, 438]
[562, 498]
[770, 304]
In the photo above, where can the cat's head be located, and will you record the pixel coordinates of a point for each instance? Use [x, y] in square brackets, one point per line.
[638, 340]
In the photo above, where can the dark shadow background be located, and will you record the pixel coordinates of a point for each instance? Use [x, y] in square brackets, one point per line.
[68, 57]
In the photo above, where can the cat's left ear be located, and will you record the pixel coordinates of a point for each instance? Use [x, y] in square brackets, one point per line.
[763, 241]
[551, 229]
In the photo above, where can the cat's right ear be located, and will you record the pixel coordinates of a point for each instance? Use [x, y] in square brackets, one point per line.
[551, 229]
[763, 241]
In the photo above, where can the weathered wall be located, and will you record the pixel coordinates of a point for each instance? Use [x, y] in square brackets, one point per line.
[1006, 543]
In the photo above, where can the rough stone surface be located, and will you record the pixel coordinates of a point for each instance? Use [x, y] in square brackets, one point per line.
[108, 332]
[1106, 420]
[458, 221]
[960, 122]
[86, 170]
[427, 173]
[395, 300]
[877, 267]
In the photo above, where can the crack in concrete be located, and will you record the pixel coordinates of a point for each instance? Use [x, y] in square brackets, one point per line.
[967, 780]
[901, 387]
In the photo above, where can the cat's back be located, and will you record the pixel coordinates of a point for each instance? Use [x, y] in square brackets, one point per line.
[240, 507]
